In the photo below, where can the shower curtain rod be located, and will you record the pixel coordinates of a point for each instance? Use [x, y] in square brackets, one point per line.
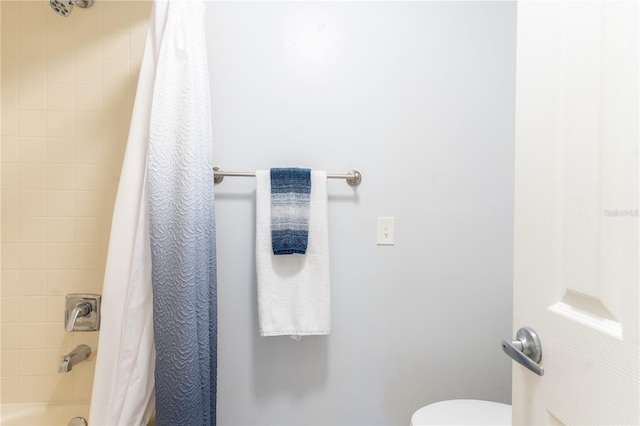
[353, 177]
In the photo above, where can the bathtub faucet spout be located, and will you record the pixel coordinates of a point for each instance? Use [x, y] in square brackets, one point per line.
[79, 354]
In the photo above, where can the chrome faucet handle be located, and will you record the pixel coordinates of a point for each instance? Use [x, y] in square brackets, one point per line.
[82, 310]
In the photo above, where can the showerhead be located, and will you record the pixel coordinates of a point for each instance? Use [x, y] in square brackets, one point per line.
[64, 7]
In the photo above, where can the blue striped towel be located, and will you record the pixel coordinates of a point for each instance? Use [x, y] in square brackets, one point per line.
[290, 191]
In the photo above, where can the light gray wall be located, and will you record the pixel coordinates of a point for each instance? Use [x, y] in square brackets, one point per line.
[418, 96]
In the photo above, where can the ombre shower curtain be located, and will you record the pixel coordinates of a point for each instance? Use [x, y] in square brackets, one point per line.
[158, 332]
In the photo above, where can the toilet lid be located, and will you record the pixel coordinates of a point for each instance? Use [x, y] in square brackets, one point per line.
[463, 412]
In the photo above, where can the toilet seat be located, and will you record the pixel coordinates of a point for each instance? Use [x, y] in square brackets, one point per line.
[463, 412]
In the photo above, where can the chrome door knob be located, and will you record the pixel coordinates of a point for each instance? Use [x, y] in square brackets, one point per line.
[526, 350]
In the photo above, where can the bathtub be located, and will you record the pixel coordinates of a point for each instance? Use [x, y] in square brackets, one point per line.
[53, 414]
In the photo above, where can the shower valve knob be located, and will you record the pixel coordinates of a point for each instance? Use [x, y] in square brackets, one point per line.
[82, 312]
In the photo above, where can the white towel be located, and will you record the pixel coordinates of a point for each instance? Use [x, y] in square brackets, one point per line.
[294, 296]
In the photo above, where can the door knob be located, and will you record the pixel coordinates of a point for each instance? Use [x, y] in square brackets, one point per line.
[526, 350]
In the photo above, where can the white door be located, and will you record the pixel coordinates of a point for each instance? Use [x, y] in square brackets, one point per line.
[576, 211]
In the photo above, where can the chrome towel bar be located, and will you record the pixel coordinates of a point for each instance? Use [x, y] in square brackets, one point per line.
[353, 177]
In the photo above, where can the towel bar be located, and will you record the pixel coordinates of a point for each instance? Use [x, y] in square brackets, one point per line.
[353, 177]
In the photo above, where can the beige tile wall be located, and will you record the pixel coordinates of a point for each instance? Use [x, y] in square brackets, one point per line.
[68, 86]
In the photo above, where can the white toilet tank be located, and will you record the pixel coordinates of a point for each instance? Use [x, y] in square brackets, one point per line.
[463, 412]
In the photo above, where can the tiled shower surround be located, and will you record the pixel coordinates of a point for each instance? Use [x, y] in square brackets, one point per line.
[68, 86]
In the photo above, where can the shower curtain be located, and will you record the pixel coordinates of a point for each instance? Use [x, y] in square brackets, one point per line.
[158, 332]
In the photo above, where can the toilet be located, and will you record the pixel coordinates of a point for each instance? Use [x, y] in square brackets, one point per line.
[463, 412]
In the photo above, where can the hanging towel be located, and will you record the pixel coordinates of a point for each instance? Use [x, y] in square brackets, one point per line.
[290, 189]
[294, 296]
